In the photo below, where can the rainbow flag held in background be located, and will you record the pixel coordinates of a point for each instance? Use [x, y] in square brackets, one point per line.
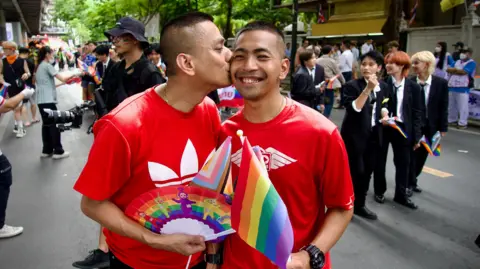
[85, 68]
[426, 145]
[437, 151]
[97, 78]
[229, 97]
[392, 123]
[259, 215]
[4, 90]
[331, 81]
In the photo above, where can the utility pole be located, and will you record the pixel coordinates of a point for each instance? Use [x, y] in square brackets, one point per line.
[294, 40]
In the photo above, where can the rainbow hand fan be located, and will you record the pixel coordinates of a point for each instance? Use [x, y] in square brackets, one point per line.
[183, 209]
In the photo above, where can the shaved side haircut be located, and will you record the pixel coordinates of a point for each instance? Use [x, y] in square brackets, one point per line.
[269, 27]
[180, 36]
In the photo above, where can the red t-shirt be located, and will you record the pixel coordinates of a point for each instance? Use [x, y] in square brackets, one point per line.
[308, 165]
[141, 145]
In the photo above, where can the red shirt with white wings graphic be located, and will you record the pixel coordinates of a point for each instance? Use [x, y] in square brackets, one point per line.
[308, 165]
[142, 145]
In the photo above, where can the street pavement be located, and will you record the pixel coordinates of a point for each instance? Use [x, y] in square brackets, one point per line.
[440, 234]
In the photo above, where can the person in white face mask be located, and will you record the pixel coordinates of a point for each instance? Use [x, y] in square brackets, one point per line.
[459, 84]
[47, 99]
[443, 60]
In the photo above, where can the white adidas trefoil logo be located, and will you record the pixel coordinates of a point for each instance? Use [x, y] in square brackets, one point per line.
[272, 158]
[163, 175]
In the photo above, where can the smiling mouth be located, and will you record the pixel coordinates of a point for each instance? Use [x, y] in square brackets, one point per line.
[250, 80]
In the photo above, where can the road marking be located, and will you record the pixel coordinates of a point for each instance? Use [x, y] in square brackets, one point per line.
[436, 172]
[464, 131]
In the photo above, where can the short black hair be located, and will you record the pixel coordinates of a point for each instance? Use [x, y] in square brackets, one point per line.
[305, 56]
[176, 41]
[347, 43]
[376, 56]
[264, 26]
[393, 44]
[326, 49]
[22, 50]
[153, 47]
[102, 50]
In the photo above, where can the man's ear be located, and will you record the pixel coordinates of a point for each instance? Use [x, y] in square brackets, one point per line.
[185, 63]
[284, 68]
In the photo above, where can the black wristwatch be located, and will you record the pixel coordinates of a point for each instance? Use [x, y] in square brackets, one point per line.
[214, 258]
[317, 258]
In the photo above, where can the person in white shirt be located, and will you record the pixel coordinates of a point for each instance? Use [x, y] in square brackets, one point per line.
[7, 231]
[367, 46]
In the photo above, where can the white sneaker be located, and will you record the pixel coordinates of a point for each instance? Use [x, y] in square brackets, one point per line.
[61, 156]
[45, 155]
[10, 231]
[15, 129]
[21, 132]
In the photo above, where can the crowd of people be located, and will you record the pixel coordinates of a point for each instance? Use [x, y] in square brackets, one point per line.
[151, 105]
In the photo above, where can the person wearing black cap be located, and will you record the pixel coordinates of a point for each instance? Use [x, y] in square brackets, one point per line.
[135, 73]
[458, 47]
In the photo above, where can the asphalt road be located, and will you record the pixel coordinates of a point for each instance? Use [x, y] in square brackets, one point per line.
[439, 234]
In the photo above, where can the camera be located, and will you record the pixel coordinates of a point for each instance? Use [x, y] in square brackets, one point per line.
[66, 120]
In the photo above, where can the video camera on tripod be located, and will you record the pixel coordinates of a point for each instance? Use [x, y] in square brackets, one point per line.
[72, 118]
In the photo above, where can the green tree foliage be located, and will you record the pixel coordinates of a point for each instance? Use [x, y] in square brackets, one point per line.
[89, 19]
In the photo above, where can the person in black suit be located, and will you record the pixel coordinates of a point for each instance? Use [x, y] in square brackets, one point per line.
[307, 88]
[361, 128]
[434, 96]
[103, 67]
[405, 106]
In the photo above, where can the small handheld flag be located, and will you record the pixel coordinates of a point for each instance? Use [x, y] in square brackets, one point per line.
[214, 173]
[426, 145]
[258, 213]
[392, 123]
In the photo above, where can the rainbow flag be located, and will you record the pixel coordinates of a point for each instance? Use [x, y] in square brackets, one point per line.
[258, 213]
[229, 97]
[426, 145]
[97, 78]
[392, 123]
[331, 81]
[4, 90]
[437, 151]
[87, 69]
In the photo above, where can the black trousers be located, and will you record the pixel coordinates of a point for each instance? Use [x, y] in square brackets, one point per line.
[402, 154]
[5, 183]
[50, 132]
[115, 263]
[362, 166]
[347, 76]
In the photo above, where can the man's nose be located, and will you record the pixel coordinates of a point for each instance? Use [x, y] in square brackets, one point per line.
[250, 64]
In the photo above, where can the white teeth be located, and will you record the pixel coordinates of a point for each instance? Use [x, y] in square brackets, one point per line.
[249, 80]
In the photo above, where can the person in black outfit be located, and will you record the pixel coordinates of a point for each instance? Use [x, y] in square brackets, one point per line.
[14, 70]
[103, 67]
[135, 73]
[405, 106]
[132, 75]
[434, 96]
[24, 53]
[306, 87]
[361, 129]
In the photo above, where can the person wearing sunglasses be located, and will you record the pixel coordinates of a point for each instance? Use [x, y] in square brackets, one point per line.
[361, 130]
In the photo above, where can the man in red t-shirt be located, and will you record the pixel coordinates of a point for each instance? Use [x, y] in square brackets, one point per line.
[303, 152]
[157, 138]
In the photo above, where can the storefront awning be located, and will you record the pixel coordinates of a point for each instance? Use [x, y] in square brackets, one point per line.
[372, 27]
